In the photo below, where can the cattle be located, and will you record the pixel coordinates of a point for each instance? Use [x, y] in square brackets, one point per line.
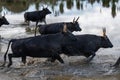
[57, 27]
[47, 46]
[3, 21]
[37, 16]
[87, 45]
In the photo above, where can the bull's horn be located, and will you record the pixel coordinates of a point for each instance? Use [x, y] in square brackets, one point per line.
[43, 6]
[77, 19]
[65, 28]
[4, 14]
[74, 20]
[104, 31]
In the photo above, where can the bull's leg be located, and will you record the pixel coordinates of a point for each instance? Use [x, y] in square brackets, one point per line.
[10, 59]
[24, 59]
[117, 62]
[59, 58]
[36, 23]
[44, 21]
[91, 57]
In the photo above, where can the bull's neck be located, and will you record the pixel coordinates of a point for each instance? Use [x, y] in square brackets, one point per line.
[98, 43]
[69, 26]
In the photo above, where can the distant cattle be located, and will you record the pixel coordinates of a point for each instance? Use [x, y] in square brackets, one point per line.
[37, 16]
[3, 21]
[40, 46]
[87, 45]
[57, 27]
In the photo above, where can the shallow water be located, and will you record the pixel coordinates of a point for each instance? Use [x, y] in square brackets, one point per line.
[92, 18]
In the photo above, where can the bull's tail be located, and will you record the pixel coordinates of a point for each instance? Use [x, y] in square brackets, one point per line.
[12, 40]
[36, 28]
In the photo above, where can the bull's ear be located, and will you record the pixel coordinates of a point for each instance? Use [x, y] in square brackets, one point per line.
[104, 32]
[77, 19]
[65, 28]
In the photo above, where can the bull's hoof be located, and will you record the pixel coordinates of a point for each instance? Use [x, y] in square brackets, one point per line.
[115, 65]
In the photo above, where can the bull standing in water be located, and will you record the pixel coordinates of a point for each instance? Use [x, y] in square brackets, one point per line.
[37, 16]
[87, 45]
[40, 46]
[57, 27]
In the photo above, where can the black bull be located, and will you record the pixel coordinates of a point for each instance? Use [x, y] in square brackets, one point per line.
[40, 46]
[87, 45]
[57, 27]
[37, 16]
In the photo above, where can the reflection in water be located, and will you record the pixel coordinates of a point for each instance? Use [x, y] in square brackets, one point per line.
[57, 6]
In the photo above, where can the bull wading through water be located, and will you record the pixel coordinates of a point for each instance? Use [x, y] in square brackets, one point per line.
[57, 27]
[46, 46]
[37, 16]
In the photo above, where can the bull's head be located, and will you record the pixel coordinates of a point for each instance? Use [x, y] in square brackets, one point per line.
[105, 42]
[74, 26]
[3, 20]
[46, 10]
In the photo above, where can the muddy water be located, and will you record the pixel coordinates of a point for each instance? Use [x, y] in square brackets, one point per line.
[92, 19]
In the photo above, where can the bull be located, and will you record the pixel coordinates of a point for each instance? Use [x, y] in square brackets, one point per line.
[47, 46]
[3, 21]
[87, 45]
[37, 16]
[57, 27]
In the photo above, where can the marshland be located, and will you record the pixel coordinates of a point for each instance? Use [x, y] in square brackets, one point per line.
[94, 15]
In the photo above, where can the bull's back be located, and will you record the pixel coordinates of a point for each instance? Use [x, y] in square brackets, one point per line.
[51, 28]
[33, 16]
[43, 42]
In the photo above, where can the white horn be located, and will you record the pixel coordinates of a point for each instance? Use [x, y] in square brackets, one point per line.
[77, 19]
